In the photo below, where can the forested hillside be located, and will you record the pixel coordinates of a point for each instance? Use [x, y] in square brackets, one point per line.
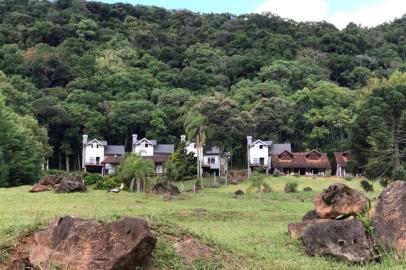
[110, 70]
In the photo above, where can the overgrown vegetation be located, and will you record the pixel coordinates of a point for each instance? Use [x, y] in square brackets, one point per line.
[110, 70]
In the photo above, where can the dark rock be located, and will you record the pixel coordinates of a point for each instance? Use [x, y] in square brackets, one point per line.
[40, 188]
[297, 229]
[74, 244]
[311, 215]
[307, 189]
[338, 200]
[70, 186]
[389, 218]
[345, 240]
[165, 188]
[239, 193]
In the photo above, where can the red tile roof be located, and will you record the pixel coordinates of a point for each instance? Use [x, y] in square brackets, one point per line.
[112, 160]
[158, 158]
[288, 159]
[341, 158]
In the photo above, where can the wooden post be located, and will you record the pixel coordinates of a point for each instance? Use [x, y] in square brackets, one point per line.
[215, 181]
[194, 187]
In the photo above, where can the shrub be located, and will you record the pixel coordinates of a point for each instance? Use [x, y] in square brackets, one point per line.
[366, 186]
[92, 179]
[384, 182]
[291, 187]
[107, 183]
[348, 177]
[276, 173]
[399, 174]
[266, 188]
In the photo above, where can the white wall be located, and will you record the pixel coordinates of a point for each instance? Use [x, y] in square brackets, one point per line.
[141, 150]
[216, 164]
[256, 153]
[111, 168]
[92, 152]
[191, 148]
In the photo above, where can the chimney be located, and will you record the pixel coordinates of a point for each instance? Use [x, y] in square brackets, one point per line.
[85, 137]
[182, 138]
[134, 142]
[249, 140]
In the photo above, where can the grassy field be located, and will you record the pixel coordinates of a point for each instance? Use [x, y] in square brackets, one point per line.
[247, 232]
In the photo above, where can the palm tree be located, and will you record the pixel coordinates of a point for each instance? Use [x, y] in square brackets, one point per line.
[134, 169]
[196, 127]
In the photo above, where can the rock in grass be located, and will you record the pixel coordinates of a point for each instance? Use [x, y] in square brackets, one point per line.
[311, 215]
[239, 193]
[40, 188]
[70, 186]
[345, 240]
[307, 189]
[338, 200]
[389, 218]
[76, 244]
[165, 188]
[297, 229]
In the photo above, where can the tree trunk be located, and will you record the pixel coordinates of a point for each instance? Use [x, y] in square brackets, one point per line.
[132, 184]
[59, 160]
[67, 163]
[138, 185]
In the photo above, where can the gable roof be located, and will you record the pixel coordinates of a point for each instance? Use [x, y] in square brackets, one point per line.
[164, 149]
[278, 148]
[112, 160]
[261, 141]
[157, 158]
[103, 143]
[114, 150]
[301, 160]
[341, 158]
[153, 142]
[214, 150]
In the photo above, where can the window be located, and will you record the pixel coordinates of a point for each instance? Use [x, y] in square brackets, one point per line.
[97, 160]
[194, 146]
[146, 145]
[261, 146]
[211, 160]
[97, 146]
[91, 160]
[91, 146]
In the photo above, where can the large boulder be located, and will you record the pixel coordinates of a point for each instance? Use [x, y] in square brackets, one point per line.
[70, 186]
[165, 188]
[340, 200]
[311, 215]
[76, 244]
[297, 229]
[345, 240]
[40, 188]
[389, 218]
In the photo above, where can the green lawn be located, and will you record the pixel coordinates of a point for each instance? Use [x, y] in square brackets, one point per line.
[249, 233]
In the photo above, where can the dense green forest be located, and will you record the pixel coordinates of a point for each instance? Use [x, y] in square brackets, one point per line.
[110, 70]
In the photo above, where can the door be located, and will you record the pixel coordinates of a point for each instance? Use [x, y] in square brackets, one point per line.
[97, 160]
[261, 161]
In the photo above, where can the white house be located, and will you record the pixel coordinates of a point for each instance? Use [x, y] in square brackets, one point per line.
[98, 156]
[213, 159]
[149, 149]
[259, 152]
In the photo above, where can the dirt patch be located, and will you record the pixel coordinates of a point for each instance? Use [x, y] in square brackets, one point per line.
[192, 249]
[18, 256]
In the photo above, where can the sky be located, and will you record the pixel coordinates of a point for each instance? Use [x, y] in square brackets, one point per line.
[339, 12]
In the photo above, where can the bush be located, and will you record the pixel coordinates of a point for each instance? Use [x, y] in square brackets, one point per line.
[348, 177]
[107, 183]
[92, 179]
[291, 187]
[366, 186]
[276, 173]
[266, 188]
[399, 174]
[384, 182]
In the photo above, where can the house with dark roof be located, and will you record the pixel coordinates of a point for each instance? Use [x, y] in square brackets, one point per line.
[98, 156]
[259, 152]
[302, 163]
[213, 159]
[340, 163]
[150, 149]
